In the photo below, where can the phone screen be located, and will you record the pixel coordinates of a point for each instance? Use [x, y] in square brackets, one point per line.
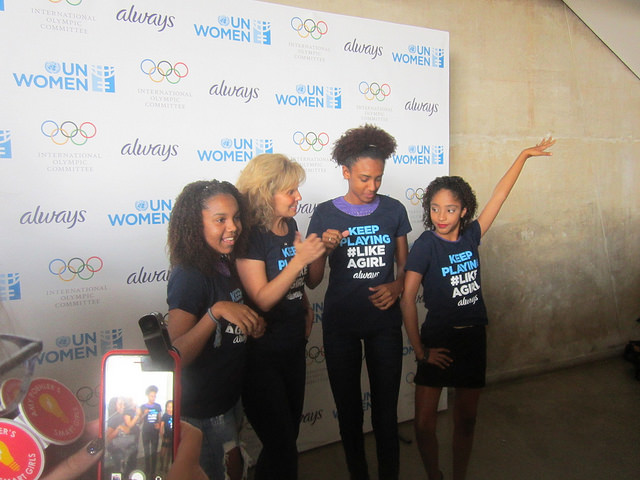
[137, 418]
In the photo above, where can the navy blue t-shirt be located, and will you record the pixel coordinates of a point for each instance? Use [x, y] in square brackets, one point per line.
[366, 258]
[211, 384]
[154, 410]
[450, 277]
[286, 320]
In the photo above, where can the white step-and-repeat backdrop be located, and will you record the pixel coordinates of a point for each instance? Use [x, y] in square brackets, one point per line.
[109, 108]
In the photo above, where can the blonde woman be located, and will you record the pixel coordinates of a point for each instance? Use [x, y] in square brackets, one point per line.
[272, 269]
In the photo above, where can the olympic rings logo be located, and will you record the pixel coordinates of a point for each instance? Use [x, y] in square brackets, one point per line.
[73, 3]
[75, 267]
[414, 196]
[374, 90]
[68, 130]
[88, 396]
[409, 377]
[310, 140]
[315, 355]
[164, 70]
[309, 27]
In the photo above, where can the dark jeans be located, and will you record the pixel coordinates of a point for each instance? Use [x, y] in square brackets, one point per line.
[383, 354]
[273, 398]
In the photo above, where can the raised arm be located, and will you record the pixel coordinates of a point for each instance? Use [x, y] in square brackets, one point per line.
[506, 183]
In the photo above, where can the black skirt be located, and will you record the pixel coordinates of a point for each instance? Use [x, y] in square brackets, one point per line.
[467, 347]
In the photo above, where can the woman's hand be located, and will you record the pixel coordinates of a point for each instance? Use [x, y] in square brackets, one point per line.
[309, 249]
[69, 462]
[186, 464]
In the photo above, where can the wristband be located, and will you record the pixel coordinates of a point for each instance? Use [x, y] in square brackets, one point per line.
[217, 340]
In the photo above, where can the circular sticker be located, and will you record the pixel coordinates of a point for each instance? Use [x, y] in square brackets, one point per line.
[21, 455]
[53, 411]
[11, 388]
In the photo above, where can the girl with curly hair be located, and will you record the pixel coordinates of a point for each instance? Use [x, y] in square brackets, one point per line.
[365, 235]
[273, 268]
[450, 347]
[208, 322]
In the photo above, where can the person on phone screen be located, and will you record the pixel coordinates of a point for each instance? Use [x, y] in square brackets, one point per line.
[151, 415]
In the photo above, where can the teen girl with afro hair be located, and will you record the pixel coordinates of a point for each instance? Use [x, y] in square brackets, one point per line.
[365, 235]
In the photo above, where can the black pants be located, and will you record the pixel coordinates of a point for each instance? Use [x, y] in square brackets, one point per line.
[273, 398]
[383, 352]
[150, 444]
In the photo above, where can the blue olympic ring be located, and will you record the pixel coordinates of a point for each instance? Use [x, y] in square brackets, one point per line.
[164, 70]
[374, 90]
[69, 131]
[310, 140]
[309, 27]
[75, 268]
[415, 196]
[409, 377]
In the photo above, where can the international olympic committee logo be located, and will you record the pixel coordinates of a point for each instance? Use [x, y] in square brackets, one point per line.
[317, 141]
[73, 3]
[75, 267]
[309, 27]
[414, 196]
[68, 130]
[374, 90]
[315, 354]
[164, 70]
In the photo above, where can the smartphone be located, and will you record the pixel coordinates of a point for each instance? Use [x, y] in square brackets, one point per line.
[139, 415]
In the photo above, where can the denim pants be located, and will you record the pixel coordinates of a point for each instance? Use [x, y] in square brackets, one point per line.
[219, 435]
[273, 398]
[383, 354]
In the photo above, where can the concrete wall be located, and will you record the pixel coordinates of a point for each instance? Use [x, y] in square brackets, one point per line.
[561, 264]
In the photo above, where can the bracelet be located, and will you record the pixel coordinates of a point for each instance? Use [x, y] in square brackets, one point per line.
[217, 338]
[215, 320]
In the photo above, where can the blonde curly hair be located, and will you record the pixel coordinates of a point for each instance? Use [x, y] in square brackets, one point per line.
[263, 177]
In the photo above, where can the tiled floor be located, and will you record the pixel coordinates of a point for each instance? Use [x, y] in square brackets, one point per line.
[581, 423]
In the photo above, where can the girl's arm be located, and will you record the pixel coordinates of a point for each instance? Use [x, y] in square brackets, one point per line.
[266, 294]
[504, 186]
[309, 315]
[331, 239]
[385, 295]
[412, 281]
[436, 356]
[190, 334]
[130, 421]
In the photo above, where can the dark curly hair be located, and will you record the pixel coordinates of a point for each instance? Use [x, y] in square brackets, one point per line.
[366, 141]
[186, 242]
[462, 192]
